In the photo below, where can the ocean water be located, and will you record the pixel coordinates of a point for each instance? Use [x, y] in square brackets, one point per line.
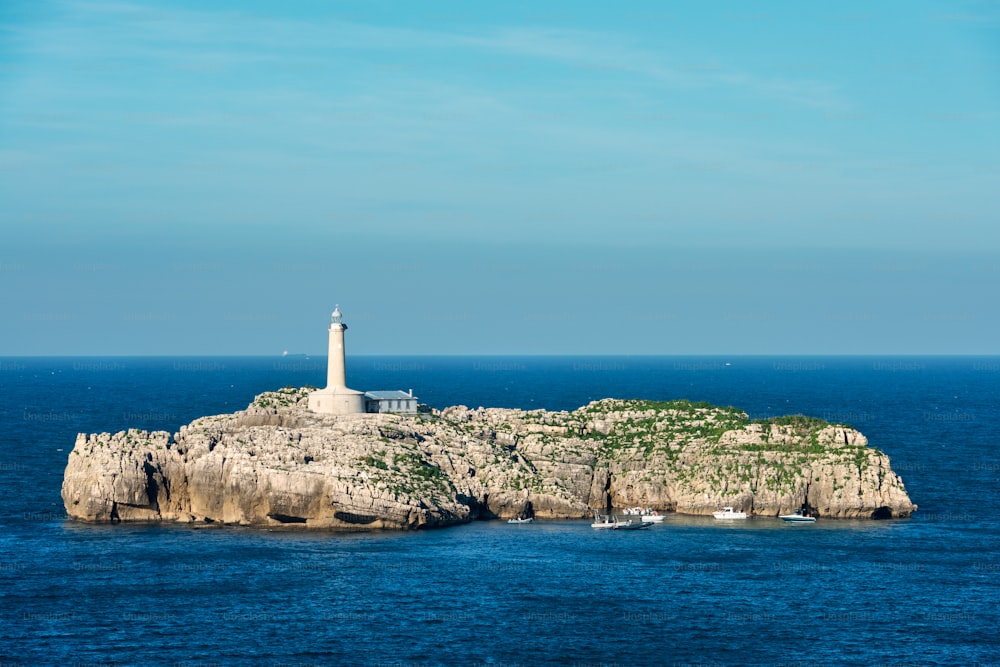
[923, 590]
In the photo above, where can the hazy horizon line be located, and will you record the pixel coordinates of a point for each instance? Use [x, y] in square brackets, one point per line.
[503, 354]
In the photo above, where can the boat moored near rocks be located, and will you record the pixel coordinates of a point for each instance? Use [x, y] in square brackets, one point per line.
[612, 522]
[645, 514]
[728, 513]
[798, 516]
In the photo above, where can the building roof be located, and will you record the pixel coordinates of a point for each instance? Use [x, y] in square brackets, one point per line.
[388, 394]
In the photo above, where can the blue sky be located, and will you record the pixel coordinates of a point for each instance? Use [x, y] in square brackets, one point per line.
[500, 178]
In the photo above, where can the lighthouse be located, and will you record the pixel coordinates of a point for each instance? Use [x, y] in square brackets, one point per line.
[336, 398]
[336, 376]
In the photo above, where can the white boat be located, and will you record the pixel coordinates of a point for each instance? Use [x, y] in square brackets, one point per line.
[728, 513]
[528, 520]
[798, 517]
[646, 514]
[604, 521]
[611, 522]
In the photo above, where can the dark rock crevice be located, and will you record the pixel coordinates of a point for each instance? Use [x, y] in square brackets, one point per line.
[152, 488]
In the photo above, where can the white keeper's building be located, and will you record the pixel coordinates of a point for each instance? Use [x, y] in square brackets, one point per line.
[391, 401]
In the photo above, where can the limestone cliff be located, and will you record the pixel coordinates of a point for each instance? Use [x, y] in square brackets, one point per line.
[276, 463]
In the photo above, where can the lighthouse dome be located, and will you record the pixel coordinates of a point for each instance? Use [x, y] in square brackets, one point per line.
[336, 317]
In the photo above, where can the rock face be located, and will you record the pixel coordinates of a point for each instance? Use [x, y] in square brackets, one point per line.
[276, 463]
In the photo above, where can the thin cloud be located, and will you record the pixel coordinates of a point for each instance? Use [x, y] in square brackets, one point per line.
[223, 39]
[599, 51]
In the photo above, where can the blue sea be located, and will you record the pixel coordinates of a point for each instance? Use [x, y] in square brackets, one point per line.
[918, 591]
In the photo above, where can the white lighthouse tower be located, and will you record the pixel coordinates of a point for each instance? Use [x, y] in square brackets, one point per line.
[336, 399]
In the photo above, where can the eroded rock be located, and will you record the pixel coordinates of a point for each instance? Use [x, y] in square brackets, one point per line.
[277, 464]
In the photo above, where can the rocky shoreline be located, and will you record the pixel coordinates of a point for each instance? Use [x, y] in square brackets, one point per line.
[278, 464]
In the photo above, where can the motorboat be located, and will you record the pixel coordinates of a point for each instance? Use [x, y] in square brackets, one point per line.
[632, 525]
[799, 516]
[728, 513]
[646, 514]
[611, 522]
[525, 520]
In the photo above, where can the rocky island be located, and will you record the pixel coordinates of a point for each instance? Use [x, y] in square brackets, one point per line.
[279, 464]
